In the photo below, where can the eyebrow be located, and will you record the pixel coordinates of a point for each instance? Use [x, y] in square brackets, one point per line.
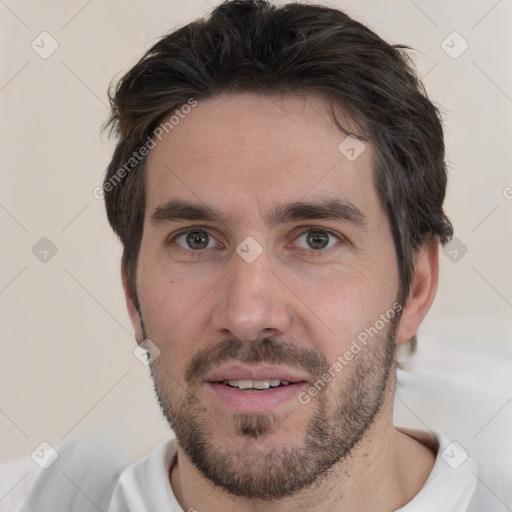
[339, 210]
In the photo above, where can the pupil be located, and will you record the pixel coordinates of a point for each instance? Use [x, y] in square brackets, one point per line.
[197, 239]
[318, 239]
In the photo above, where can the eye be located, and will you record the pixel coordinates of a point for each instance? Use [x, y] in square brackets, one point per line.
[318, 239]
[195, 240]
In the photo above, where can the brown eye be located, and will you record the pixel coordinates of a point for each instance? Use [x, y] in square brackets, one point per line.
[195, 240]
[317, 239]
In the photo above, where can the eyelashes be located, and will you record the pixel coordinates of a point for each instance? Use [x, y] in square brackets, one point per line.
[197, 240]
[318, 235]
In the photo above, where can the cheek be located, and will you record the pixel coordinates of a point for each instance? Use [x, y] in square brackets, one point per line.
[165, 294]
[345, 311]
[341, 306]
[175, 311]
[168, 308]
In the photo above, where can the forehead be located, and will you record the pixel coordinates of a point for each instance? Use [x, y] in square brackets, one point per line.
[245, 151]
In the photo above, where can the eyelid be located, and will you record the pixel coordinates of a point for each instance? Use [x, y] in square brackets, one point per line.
[306, 229]
[303, 230]
[172, 237]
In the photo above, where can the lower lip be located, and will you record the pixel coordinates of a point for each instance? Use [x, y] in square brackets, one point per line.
[255, 402]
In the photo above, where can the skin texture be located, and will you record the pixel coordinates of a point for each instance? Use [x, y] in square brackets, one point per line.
[245, 155]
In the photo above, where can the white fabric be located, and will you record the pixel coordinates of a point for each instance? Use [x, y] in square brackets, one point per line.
[446, 489]
[459, 383]
[81, 479]
[144, 486]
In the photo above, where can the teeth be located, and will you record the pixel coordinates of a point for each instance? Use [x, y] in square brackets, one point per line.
[261, 384]
[257, 384]
[245, 384]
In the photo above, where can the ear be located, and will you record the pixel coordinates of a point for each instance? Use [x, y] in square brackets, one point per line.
[131, 305]
[422, 292]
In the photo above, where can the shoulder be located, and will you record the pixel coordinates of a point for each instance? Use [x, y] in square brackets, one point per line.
[81, 476]
[457, 385]
[145, 485]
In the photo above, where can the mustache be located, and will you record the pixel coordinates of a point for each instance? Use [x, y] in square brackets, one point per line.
[266, 350]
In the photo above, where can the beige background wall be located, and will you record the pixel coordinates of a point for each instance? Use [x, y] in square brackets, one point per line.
[67, 364]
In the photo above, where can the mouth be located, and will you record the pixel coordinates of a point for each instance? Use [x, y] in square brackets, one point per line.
[251, 386]
[256, 390]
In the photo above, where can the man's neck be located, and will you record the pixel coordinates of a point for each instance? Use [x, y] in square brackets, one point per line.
[383, 473]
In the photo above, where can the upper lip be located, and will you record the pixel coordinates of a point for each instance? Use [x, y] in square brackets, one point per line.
[256, 372]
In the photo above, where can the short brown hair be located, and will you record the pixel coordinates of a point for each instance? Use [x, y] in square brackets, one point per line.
[252, 45]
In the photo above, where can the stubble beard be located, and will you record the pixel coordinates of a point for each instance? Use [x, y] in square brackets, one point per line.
[259, 468]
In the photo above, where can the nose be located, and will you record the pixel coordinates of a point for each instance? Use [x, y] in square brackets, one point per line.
[252, 301]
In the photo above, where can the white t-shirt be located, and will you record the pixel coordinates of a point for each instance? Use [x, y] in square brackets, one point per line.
[461, 388]
[83, 480]
[145, 487]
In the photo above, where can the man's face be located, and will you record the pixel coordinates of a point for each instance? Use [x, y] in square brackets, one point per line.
[265, 293]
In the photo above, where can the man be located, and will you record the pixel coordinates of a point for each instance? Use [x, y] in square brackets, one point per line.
[277, 185]
[290, 199]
